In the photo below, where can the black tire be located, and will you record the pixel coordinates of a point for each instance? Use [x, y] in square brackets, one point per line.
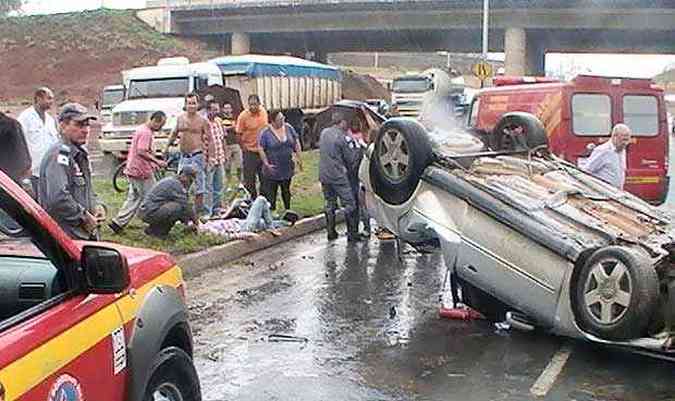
[493, 309]
[506, 137]
[120, 181]
[392, 181]
[625, 299]
[306, 142]
[173, 371]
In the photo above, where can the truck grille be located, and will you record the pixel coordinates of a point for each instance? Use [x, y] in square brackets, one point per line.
[130, 117]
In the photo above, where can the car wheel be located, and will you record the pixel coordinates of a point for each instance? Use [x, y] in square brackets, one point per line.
[519, 131]
[120, 180]
[615, 294]
[306, 142]
[173, 377]
[493, 309]
[402, 152]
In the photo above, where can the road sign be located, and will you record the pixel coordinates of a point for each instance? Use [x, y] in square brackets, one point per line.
[482, 70]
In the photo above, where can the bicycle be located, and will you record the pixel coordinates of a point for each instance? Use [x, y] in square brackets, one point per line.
[120, 182]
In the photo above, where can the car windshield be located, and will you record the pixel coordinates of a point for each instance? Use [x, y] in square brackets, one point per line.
[151, 88]
[112, 97]
[410, 85]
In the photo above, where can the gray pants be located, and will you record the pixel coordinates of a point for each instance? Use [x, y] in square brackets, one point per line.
[162, 220]
[138, 188]
[343, 192]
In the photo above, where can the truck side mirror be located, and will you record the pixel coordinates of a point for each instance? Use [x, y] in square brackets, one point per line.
[106, 271]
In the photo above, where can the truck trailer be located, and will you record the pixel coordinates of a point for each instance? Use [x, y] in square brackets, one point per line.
[295, 86]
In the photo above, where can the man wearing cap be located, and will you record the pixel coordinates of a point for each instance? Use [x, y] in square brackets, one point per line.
[168, 202]
[39, 129]
[64, 188]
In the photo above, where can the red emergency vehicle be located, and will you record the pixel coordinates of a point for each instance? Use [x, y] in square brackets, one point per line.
[87, 320]
[580, 114]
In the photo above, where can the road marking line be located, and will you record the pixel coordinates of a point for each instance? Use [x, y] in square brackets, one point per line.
[548, 377]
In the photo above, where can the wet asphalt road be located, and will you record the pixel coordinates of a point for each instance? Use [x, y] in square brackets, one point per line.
[365, 326]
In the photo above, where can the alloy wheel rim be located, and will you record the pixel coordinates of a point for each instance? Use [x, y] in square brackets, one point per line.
[607, 291]
[394, 155]
[167, 392]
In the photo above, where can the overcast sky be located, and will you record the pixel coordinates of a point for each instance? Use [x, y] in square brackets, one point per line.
[613, 65]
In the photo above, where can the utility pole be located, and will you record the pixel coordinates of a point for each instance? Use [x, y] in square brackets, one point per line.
[486, 21]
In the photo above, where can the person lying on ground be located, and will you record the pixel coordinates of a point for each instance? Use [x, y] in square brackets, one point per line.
[259, 219]
[168, 202]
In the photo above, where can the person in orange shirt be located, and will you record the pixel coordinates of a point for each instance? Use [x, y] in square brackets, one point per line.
[249, 124]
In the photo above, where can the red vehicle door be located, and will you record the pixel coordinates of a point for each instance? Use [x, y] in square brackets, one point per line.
[647, 155]
[56, 343]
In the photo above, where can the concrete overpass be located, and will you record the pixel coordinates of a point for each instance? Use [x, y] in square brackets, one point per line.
[524, 29]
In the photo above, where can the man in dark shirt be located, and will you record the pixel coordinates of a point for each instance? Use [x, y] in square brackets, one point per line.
[168, 202]
[65, 189]
[336, 154]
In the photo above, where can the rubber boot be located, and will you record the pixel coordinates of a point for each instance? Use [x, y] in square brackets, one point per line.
[330, 225]
[352, 221]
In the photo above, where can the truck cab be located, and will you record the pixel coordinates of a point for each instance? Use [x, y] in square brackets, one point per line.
[579, 115]
[411, 93]
[149, 89]
[111, 96]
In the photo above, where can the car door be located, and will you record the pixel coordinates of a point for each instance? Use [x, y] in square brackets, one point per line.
[56, 343]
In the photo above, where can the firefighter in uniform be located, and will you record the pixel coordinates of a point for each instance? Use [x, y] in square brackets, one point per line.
[337, 153]
[65, 189]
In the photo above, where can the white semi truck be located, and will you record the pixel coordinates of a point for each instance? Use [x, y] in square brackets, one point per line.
[415, 94]
[296, 86]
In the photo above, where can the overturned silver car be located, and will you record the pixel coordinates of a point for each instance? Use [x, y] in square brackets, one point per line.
[527, 233]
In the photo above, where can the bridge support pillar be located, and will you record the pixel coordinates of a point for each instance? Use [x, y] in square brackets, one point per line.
[241, 43]
[515, 47]
[524, 53]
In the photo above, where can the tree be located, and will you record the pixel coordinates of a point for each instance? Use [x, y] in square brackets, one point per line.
[7, 6]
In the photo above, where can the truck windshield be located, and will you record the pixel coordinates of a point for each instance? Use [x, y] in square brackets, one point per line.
[150, 88]
[112, 97]
[411, 85]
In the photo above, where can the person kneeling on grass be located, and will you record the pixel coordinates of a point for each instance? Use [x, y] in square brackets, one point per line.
[168, 202]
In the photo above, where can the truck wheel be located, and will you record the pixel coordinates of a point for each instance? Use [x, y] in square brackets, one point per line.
[173, 377]
[120, 180]
[615, 294]
[402, 152]
[519, 131]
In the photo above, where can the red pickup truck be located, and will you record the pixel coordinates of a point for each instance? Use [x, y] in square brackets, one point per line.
[87, 321]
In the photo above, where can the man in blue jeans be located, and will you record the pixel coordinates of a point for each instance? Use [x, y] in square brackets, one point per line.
[216, 157]
[194, 139]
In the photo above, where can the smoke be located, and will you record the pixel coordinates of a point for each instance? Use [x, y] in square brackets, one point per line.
[447, 130]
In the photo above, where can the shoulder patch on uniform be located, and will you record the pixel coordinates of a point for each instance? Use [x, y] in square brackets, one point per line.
[63, 160]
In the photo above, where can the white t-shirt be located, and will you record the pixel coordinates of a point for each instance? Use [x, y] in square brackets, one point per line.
[40, 135]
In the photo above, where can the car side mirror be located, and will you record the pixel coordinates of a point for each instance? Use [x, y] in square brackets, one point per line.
[106, 271]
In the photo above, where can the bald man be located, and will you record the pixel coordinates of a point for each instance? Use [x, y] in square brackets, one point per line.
[39, 129]
[608, 161]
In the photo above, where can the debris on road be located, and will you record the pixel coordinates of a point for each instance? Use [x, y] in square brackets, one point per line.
[464, 313]
[502, 326]
[273, 338]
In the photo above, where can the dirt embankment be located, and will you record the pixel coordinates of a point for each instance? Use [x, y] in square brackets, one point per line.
[77, 54]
